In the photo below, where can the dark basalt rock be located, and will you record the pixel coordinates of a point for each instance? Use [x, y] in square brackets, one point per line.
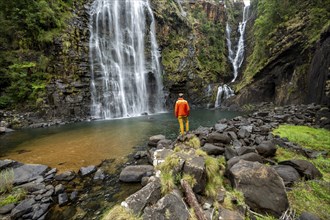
[28, 172]
[287, 173]
[266, 149]
[216, 137]
[171, 206]
[263, 188]
[135, 173]
[85, 171]
[23, 207]
[66, 176]
[196, 168]
[304, 167]
[211, 149]
[148, 195]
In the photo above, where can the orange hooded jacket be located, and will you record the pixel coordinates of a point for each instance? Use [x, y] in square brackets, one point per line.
[182, 108]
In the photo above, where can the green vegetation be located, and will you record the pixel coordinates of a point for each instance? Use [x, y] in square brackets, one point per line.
[278, 18]
[312, 138]
[16, 195]
[6, 180]
[8, 194]
[120, 213]
[313, 195]
[28, 29]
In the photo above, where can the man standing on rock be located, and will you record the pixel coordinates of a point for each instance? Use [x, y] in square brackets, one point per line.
[182, 111]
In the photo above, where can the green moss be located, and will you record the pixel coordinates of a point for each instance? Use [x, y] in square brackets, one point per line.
[308, 137]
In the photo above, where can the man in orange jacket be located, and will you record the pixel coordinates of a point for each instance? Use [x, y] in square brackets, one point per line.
[182, 111]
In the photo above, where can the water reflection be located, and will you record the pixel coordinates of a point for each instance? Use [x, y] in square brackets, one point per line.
[70, 147]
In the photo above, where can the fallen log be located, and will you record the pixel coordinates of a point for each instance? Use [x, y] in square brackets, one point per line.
[192, 201]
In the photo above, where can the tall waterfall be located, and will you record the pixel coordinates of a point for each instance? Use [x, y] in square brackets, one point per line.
[236, 58]
[124, 59]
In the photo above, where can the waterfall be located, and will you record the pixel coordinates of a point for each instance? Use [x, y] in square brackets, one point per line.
[237, 61]
[236, 58]
[124, 59]
[224, 92]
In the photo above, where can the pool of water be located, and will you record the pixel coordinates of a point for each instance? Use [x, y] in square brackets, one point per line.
[72, 146]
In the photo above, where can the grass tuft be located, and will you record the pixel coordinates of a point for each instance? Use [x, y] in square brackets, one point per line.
[167, 182]
[6, 180]
[120, 213]
[190, 179]
[16, 195]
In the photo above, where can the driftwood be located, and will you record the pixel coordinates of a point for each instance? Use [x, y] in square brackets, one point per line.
[192, 201]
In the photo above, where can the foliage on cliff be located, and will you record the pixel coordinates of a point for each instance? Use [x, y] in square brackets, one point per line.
[279, 25]
[192, 39]
[28, 29]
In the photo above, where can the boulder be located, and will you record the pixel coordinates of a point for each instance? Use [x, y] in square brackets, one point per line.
[148, 195]
[248, 157]
[230, 215]
[99, 174]
[66, 176]
[135, 173]
[39, 210]
[160, 155]
[308, 216]
[171, 207]
[245, 150]
[304, 168]
[85, 171]
[220, 127]
[263, 188]
[266, 149]
[230, 153]
[140, 154]
[216, 137]
[59, 189]
[28, 172]
[202, 132]
[287, 173]
[196, 168]
[22, 208]
[63, 199]
[211, 149]
[6, 164]
[2, 130]
[6, 209]
[165, 143]
[153, 140]
[243, 133]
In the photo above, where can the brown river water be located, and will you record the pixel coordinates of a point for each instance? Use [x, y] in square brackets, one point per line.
[69, 147]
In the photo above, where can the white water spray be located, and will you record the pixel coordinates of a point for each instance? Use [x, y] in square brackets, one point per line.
[125, 76]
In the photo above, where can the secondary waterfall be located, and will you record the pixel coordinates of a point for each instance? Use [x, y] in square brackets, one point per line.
[124, 60]
[236, 58]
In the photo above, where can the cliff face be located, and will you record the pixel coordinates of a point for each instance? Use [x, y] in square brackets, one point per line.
[193, 47]
[291, 65]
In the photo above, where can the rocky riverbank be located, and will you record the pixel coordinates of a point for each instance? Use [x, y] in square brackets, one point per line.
[247, 148]
[244, 145]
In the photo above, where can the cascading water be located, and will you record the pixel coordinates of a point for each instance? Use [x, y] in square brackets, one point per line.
[224, 92]
[236, 58]
[124, 58]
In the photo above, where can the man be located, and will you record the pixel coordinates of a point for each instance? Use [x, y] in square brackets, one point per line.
[182, 111]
